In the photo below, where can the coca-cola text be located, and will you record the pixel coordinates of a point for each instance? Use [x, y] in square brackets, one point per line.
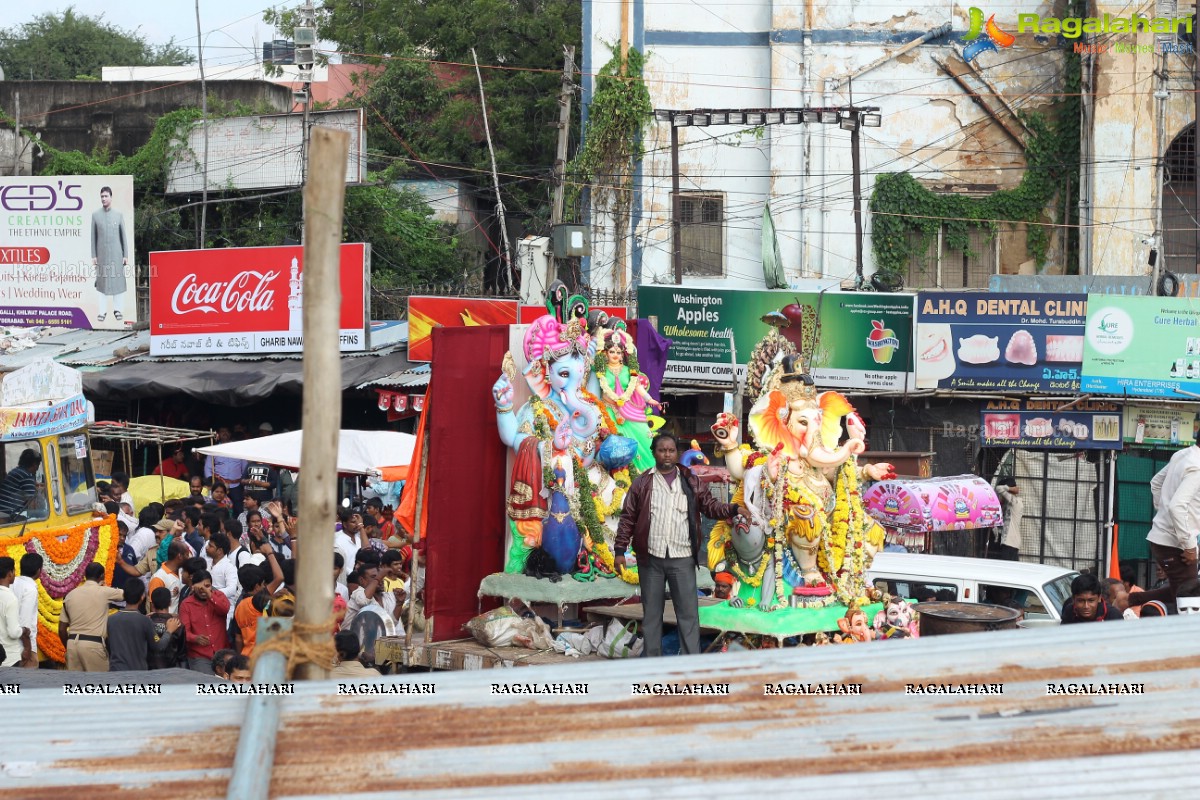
[247, 291]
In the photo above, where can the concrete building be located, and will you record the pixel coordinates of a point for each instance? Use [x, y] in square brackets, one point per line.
[952, 124]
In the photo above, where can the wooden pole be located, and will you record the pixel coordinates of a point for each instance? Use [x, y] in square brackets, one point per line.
[324, 197]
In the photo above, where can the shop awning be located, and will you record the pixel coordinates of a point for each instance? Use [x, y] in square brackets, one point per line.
[229, 382]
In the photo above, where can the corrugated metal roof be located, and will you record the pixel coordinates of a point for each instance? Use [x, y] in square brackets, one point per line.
[465, 742]
[415, 376]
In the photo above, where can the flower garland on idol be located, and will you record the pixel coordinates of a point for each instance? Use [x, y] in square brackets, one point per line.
[66, 552]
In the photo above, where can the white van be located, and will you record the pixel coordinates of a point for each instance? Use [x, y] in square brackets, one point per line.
[1038, 590]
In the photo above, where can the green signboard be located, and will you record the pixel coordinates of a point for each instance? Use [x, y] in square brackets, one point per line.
[851, 340]
[1142, 346]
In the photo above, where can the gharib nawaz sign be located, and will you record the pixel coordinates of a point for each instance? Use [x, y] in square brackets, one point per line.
[247, 300]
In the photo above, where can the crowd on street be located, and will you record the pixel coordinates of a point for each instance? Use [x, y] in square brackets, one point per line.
[194, 575]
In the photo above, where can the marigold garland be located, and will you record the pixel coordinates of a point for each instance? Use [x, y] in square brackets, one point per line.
[67, 552]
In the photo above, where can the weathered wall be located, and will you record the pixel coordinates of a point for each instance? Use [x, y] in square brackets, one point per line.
[83, 115]
[789, 53]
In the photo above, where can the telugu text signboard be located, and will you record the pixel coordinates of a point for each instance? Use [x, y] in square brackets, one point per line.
[1142, 346]
[992, 342]
[247, 300]
[1040, 425]
[66, 252]
[862, 340]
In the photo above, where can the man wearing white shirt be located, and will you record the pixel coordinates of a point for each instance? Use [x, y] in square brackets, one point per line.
[370, 590]
[348, 540]
[26, 590]
[143, 538]
[224, 574]
[1175, 492]
[10, 622]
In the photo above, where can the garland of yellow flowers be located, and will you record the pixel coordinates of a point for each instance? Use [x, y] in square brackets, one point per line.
[61, 546]
[847, 533]
[606, 510]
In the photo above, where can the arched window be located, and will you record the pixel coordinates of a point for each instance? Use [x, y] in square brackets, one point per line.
[1179, 203]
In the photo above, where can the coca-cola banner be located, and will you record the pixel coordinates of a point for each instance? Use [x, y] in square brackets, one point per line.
[246, 300]
[66, 252]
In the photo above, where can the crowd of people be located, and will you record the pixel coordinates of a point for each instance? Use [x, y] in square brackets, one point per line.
[194, 575]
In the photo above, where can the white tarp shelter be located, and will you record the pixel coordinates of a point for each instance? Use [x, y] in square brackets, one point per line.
[359, 452]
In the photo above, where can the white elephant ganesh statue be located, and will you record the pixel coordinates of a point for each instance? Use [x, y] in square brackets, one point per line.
[571, 466]
[808, 541]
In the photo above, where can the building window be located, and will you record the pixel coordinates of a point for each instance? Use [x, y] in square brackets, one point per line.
[1179, 203]
[702, 234]
[958, 269]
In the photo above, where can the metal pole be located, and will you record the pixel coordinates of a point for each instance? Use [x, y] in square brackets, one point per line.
[204, 122]
[676, 245]
[855, 163]
[254, 759]
[322, 415]
[1195, 158]
[487, 132]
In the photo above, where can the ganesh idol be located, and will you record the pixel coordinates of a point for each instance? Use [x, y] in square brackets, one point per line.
[802, 487]
[563, 442]
[624, 389]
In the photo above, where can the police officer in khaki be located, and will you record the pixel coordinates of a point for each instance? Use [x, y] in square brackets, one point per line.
[83, 625]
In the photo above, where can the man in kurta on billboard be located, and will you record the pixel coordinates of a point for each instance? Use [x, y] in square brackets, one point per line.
[110, 256]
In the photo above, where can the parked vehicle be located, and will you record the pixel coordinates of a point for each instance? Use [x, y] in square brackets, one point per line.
[1036, 589]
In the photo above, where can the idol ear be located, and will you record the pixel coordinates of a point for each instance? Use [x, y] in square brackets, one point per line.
[768, 423]
[843, 625]
[535, 376]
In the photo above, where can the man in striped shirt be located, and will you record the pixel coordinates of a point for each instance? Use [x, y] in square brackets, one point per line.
[661, 517]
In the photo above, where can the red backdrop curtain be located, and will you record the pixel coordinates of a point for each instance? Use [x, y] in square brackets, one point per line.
[465, 475]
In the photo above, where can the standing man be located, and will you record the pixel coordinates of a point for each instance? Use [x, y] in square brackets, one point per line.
[1175, 492]
[1014, 511]
[85, 616]
[203, 616]
[10, 619]
[1087, 603]
[662, 518]
[132, 636]
[228, 470]
[110, 256]
[167, 576]
[26, 590]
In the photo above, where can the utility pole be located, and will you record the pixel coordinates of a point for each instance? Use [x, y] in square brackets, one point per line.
[676, 226]
[204, 122]
[304, 42]
[565, 95]
[856, 166]
[1195, 153]
[487, 131]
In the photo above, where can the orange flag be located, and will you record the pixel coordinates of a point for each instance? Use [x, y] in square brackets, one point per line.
[406, 514]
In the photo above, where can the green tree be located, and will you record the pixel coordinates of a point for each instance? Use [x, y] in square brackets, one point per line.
[67, 46]
[419, 111]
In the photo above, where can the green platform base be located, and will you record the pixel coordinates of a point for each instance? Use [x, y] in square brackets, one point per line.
[782, 623]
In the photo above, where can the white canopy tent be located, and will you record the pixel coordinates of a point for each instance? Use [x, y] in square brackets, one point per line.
[359, 452]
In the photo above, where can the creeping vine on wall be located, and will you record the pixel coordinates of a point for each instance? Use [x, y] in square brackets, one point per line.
[906, 215]
[618, 116]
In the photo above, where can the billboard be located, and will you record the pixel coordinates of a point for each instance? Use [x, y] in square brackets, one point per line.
[1039, 424]
[852, 340]
[260, 152]
[997, 342]
[247, 300]
[1142, 346]
[66, 252]
[427, 313]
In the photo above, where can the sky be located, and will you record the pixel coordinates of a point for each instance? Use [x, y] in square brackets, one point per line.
[233, 29]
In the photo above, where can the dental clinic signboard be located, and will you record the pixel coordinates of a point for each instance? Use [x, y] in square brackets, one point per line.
[1142, 346]
[854, 340]
[1000, 342]
[247, 300]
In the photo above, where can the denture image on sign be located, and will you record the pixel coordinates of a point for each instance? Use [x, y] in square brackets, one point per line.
[1064, 348]
[1039, 427]
[979, 349]
[935, 353]
[1021, 349]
